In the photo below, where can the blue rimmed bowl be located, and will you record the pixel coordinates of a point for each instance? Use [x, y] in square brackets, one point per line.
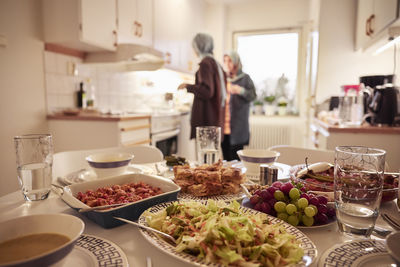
[253, 158]
[109, 164]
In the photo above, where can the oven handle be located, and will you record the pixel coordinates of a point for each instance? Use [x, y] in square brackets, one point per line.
[163, 136]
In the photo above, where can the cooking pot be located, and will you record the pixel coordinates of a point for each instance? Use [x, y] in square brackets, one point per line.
[383, 104]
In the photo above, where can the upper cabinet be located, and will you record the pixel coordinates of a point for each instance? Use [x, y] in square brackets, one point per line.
[87, 25]
[135, 21]
[175, 24]
[374, 16]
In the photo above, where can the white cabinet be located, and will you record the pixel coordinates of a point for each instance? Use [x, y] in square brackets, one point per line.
[373, 16]
[175, 24]
[87, 25]
[135, 21]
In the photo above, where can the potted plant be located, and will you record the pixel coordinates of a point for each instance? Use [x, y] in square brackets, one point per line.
[269, 107]
[258, 107]
[282, 105]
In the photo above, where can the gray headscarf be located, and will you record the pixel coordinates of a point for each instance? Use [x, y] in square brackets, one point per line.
[238, 63]
[203, 45]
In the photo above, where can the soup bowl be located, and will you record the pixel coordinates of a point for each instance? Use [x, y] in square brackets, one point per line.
[109, 164]
[68, 226]
[253, 158]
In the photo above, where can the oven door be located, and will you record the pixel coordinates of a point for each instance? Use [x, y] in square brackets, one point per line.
[167, 141]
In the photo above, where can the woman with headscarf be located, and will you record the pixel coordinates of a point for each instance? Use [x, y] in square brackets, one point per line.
[209, 89]
[241, 92]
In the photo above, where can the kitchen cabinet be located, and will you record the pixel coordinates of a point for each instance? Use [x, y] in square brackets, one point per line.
[374, 16]
[326, 136]
[87, 25]
[98, 131]
[175, 24]
[135, 22]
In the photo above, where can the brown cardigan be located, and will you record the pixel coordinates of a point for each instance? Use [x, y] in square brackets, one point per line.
[206, 109]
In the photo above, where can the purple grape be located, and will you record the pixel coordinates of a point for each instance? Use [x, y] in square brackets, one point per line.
[257, 192]
[265, 195]
[303, 189]
[285, 188]
[271, 190]
[272, 202]
[277, 184]
[331, 212]
[321, 218]
[322, 208]
[265, 207]
[258, 206]
[314, 201]
[255, 199]
[273, 213]
[322, 200]
[306, 196]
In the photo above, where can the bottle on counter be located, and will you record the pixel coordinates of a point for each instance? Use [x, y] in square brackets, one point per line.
[91, 94]
[81, 96]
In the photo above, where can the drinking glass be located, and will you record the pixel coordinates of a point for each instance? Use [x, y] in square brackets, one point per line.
[34, 165]
[358, 187]
[208, 140]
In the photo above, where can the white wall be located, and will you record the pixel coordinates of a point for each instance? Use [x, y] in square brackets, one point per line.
[22, 93]
[338, 62]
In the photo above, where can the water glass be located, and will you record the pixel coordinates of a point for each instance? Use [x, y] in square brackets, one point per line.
[34, 165]
[208, 143]
[358, 184]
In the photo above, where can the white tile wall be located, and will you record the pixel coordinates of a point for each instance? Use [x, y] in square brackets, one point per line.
[113, 90]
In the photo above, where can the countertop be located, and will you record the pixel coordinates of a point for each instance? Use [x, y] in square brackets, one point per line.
[365, 128]
[95, 116]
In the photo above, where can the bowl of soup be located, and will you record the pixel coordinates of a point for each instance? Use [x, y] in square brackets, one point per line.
[38, 240]
[109, 164]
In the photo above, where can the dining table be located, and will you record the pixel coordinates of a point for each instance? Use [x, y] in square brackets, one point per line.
[138, 249]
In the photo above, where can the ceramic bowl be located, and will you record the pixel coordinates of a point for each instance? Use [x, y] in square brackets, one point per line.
[393, 245]
[62, 224]
[253, 158]
[109, 164]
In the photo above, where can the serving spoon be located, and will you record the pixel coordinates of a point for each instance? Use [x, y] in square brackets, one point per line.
[148, 228]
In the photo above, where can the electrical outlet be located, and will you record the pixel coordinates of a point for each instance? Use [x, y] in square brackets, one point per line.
[71, 69]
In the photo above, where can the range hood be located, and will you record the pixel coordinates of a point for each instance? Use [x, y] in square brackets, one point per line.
[127, 57]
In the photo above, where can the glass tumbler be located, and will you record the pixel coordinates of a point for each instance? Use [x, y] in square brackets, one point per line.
[208, 143]
[358, 185]
[34, 165]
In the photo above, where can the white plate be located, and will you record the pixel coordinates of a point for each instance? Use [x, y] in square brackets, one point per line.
[359, 253]
[393, 245]
[95, 251]
[283, 171]
[226, 198]
[310, 250]
[85, 175]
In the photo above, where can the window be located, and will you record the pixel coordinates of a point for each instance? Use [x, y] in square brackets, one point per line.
[271, 60]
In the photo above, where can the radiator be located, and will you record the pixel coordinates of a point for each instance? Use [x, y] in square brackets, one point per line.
[265, 136]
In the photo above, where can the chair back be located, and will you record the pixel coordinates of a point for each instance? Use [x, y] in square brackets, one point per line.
[293, 155]
[70, 161]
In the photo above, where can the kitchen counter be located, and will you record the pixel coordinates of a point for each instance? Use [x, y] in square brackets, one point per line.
[365, 128]
[95, 116]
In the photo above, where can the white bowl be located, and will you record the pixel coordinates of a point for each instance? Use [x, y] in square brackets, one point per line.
[109, 164]
[62, 224]
[393, 245]
[253, 158]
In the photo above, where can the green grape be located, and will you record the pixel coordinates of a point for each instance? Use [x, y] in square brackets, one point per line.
[279, 195]
[293, 220]
[309, 211]
[307, 221]
[280, 206]
[290, 209]
[302, 203]
[283, 216]
[314, 207]
[294, 193]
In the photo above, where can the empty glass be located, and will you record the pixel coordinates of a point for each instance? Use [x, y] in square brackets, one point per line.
[358, 188]
[208, 140]
[34, 165]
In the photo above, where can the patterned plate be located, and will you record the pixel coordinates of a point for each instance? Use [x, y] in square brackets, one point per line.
[358, 253]
[95, 251]
[310, 250]
[226, 198]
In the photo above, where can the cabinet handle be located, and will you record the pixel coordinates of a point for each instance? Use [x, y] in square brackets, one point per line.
[367, 26]
[168, 58]
[115, 38]
[140, 29]
[136, 28]
[371, 28]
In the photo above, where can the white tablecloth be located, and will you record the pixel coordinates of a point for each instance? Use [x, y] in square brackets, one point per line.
[130, 240]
